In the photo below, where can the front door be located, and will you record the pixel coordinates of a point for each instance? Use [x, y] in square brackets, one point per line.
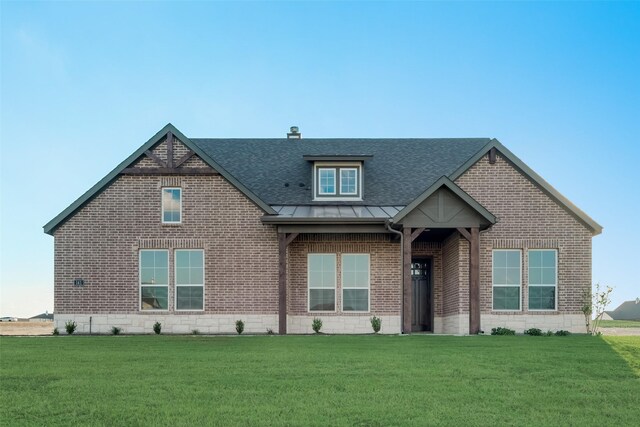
[422, 295]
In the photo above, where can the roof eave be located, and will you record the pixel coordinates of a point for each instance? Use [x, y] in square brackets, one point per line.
[269, 219]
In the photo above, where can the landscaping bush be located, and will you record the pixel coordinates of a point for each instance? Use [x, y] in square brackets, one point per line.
[502, 331]
[195, 332]
[157, 328]
[316, 325]
[56, 331]
[534, 332]
[70, 327]
[239, 326]
[115, 330]
[562, 333]
[270, 331]
[376, 324]
[549, 333]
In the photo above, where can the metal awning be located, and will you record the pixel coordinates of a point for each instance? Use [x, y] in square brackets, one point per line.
[331, 214]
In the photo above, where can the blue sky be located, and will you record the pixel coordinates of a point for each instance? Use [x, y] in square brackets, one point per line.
[85, 84]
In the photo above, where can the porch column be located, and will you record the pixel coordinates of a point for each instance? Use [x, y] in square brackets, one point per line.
[283, 241]
[406, 280]
[474, 281]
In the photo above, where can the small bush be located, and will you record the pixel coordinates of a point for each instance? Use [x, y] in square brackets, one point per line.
[270, 331]
[376, 324]
[549, 333]
[157, 328]
[70, 326]
[56, 331]
[316, 325]
[239, 326]
[502, 331]
[195, 332]
[115, 330]
[534, 332]
[562, 333]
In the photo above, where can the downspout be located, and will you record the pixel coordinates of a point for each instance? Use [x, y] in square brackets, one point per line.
[399, 233]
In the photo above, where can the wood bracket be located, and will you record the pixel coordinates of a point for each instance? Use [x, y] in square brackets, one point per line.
[465, 233]
[155, 158]
[416, 233]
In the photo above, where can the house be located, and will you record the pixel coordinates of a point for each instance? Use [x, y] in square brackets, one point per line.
[437, 235]
[43, 317]
[628, 310]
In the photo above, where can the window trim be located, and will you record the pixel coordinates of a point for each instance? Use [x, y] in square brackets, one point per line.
[355, 193]
[162, 205]
[335, 287]
[493, 285]
[338, 196]
[140, 285]
[529, 285]
[175, 279]
[343, 287]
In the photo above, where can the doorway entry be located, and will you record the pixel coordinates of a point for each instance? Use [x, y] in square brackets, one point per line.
[422, 315]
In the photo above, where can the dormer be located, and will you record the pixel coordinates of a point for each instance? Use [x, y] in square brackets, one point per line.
[337, 177]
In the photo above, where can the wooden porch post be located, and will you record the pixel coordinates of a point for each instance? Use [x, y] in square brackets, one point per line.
[406, 279]
[474, 281]
[283, 241]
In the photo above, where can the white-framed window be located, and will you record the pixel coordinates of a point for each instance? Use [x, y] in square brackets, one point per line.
[355, 282]
[321, 270]
[349, 181]
[171, 205]
[337, 181]
[189, 266]
[543, 279]
[154, 279]
[507, 279]
[326, 181]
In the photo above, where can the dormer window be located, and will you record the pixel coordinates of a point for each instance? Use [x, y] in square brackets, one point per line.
[337, 177]
[338, 181]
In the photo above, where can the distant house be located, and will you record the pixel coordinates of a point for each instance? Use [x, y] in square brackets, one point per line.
[44, 317]
[628, 310]
[439, 235]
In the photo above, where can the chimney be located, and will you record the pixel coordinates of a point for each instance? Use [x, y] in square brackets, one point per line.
[294, 134]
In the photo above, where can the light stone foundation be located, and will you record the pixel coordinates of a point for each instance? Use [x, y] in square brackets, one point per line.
[521, 322]
[455, 324]
[342, 324]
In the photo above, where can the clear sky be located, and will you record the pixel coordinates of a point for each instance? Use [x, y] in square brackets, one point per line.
[85, 84]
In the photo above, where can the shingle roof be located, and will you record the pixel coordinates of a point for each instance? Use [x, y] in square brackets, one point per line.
[628, 310]
[399, 171]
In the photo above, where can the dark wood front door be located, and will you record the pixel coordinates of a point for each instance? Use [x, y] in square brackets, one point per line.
[422, 295]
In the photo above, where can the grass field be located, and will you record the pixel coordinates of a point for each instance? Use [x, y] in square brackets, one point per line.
[620, 324]
[320, 380]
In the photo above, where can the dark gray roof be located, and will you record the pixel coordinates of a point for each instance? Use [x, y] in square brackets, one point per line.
[628, 310]
[399, 171]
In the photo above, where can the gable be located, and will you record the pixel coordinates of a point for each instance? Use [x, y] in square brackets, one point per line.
[158, 157]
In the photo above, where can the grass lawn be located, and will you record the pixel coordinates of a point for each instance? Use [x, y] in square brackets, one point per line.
[620, 324]
[320, 380]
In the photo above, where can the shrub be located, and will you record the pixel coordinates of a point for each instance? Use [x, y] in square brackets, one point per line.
[562, 333]
[239, 326]
[316, 325]
[56, 331]
[549, 333]
[115, 330]
[376, 324]
[70, 326]
[269, 331]
[195, 332]
[157, 328]
[534, 332]
[502, 331]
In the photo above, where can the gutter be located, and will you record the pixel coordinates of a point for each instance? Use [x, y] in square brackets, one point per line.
[399, 233]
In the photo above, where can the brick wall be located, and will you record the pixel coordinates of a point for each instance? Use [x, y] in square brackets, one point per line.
[100, 244]
[385, 270]
[527, 219]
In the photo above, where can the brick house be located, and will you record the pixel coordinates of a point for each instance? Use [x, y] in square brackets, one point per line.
[441, 235]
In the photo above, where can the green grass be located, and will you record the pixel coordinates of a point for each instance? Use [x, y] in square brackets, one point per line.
[620, 323]
[320, 380]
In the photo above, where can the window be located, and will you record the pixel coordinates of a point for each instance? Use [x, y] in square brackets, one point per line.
[355, 282]
[349, 181]
[543, 279]
[506, 279]
[327, 181]
[171, 205]
[322, 282]
[189, 279]
[338, 181]
[154, 280]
